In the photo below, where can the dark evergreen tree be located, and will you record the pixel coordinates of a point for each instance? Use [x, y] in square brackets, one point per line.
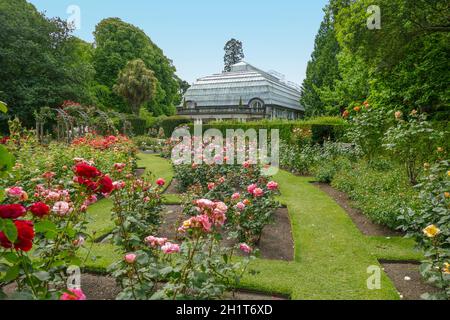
[322, 69]
[233, 53]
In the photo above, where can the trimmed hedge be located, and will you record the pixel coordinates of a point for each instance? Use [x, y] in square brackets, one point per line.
[138, 125]
[169, 124]
[318, 129]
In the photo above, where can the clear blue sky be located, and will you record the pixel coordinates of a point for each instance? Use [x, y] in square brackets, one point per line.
[277, 34]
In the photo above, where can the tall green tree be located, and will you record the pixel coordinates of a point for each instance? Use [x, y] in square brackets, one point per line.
[136, 84]
[117, 43]
[406, 60]
[322, 70]
[234, 53]
[39, 61]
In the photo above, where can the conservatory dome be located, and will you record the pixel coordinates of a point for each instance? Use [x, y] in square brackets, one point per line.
[244, 93]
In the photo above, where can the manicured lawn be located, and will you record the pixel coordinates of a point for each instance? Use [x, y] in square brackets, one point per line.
[331, 254]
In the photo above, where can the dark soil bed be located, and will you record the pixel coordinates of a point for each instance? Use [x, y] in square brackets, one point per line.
[101, 287]
[364, 224]
[276, 241]
[97, 287]
[407, 279]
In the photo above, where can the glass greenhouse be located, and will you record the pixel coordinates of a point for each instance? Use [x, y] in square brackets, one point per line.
[245, 93]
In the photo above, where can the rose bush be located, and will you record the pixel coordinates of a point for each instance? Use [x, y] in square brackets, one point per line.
[49, 222]
[429, 225]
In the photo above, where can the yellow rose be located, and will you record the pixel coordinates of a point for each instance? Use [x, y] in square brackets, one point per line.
[187, 224]
[447, 194]
[440, 149]
[431, 231]
[446, 268]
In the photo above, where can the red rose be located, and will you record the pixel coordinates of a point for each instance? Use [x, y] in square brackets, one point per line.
[105, 185]
[12, 211]
[39, 209]
[160, 182]
[91, 185]
[84, 170]
[25, 236]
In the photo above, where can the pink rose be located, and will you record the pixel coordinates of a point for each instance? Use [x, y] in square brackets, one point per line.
[130, 258]
[74, 294]
[205, 203]
[235, 196]
[272, 185]
[240, 206]
[155, 242]
[117, 185]
[61, 208]
[251, 188]
[170, 248]
[16, 192]
[258, 192]
[211, 185]
[119, 166]
[246, 164]
[204, 221]
[245, 248]
[220, 208]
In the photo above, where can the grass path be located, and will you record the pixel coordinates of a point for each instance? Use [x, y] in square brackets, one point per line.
[331, 254]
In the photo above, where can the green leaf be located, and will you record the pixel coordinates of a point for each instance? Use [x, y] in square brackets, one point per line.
[6, 159]
[11, 257]
[42, 275]
[3, 107]
[9, 229]
[11, 274]
[47, 227]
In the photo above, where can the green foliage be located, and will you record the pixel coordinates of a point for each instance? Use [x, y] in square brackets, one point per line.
[433, 210]
[117, 43]
[3, 107]
[169, 124]
[233, 53]
[322, 70]
[413, 143]
[380, 189]
[136, 84]
[401, 66]
[406, 61]
[367, 128]
[322, 128]
[147, 143]
[40, 62]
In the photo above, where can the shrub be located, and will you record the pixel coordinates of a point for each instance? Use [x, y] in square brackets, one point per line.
[379, 189]
[169, 124]
[138, 125]
[147, 143]
[413, 143]
[367, 128]
[429, 225]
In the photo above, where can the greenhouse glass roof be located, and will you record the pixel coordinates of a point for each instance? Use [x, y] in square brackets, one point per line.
[244, 83]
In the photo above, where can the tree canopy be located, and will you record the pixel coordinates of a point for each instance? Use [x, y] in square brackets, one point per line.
[40, 64]
[402, 65]
[136, 84]
[117, 43]
[233, 53]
